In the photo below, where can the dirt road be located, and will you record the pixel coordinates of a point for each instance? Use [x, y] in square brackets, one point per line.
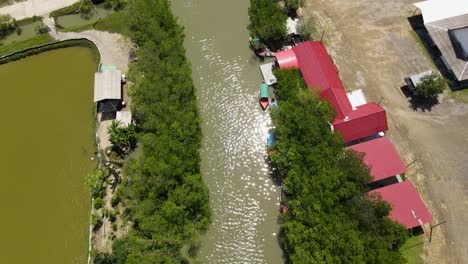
[372, 45]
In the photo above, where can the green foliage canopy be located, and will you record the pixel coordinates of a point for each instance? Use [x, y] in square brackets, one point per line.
[162, 189]
[430, 86]
[330, 217]
[267, 20]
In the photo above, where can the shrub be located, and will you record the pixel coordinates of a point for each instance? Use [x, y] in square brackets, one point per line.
[98, 203]
[115, 200]
[96, 222]
[267, 20]
[430, 86]
[114, 227]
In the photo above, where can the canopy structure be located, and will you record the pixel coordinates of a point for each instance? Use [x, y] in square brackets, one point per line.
[107, 85]
[264, 90]
[381, 157]
[407, 206]
[125, 117]
[287, 59]
[356, 98]
[267, 72]
[447, 23]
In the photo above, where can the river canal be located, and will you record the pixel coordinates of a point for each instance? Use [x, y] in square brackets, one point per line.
[47, 134]
[244, 198]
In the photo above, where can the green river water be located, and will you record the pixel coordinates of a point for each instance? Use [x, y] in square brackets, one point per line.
[47, 134]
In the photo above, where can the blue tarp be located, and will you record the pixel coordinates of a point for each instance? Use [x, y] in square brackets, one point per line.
[270, 139]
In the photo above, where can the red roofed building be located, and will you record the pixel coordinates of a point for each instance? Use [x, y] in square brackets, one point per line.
[383, 160]
[287, 59]
[407, 206]
[366, 120]
[319, 72]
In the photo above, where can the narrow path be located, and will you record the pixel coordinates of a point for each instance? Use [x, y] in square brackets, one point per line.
[34, 8]
[114, 48]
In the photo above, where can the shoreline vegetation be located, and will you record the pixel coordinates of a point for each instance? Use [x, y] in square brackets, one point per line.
[163, 201]
[331, 217]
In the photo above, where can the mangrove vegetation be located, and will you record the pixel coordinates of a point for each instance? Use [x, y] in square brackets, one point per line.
[165, 199]
[331, 218]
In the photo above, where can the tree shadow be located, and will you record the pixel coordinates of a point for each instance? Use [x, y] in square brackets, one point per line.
[422, 104]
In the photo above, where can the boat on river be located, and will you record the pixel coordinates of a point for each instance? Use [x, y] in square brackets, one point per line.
[264, 96]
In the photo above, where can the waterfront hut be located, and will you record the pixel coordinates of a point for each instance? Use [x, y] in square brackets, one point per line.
[407, 206]
[108, 91]
[386, 166]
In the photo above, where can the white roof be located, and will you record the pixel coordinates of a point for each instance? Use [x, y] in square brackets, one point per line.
[107, 85]
[356, 98]
[267, 72]
[291, 25]
[125, 117]
[416, 79]
[435, 10]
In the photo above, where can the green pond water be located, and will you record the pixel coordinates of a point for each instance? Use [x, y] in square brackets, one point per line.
[28, 31]
[78, 20]
[47, 133]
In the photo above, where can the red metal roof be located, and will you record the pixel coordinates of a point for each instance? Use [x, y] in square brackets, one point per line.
[407, 205]
[287, 59]
[366, 120]
[381, 157]
[339, 100]
[316, 66]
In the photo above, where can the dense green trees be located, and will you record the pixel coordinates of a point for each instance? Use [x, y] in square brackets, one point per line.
[162, 190]
[330, 217]
[267, 20]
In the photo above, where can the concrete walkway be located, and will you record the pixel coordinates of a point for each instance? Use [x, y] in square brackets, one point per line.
[34, 8]
[113, 47]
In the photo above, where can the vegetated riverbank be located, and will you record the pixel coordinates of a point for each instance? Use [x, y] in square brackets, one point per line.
[330, 217]
[29, 51]
[162, 191]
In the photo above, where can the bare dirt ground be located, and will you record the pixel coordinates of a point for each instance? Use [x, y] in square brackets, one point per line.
[372, 45]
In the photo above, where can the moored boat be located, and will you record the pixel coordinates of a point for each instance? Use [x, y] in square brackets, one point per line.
[264, 96]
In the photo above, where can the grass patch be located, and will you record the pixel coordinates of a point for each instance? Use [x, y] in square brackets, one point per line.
[423, 48]
[73, 9]
[32, 42]
[113, 23]
[412, 249]
[459, 96]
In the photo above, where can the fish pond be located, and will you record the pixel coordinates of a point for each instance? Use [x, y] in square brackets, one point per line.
[47, 144]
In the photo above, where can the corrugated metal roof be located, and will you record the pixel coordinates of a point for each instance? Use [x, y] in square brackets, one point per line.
[366, 120]
[107, 85]
[381, 157]
[435, 10]
[441, 17]
[287, 59]
[407, 205]
[125, 117]
[267, 72]
[316, 66]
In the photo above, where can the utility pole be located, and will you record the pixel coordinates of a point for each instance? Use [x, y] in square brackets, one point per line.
[411, 163]
[323, 34]
[380, 100]
[432, 226]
